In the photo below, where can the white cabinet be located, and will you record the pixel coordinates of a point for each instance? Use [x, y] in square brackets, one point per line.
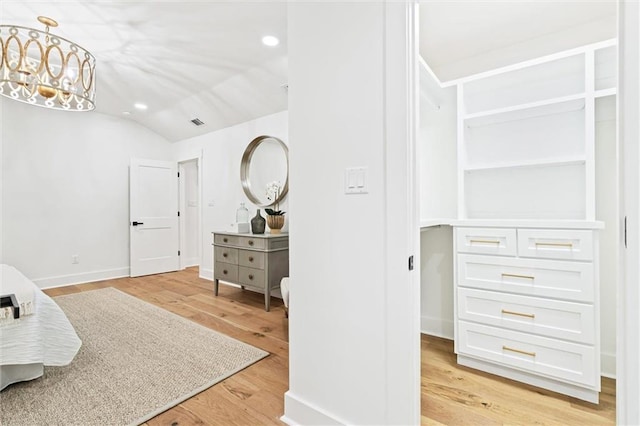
[525, 314]
[526, 242]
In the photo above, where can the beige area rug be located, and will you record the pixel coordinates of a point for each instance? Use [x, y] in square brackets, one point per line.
[136, 361]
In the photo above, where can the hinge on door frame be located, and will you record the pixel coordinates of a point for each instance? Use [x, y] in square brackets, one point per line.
[178, 214]
[625, 232]
[411, 263]
[178, 174]
[178, 252]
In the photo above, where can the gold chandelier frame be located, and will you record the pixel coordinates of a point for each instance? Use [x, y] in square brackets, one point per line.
[44, 69]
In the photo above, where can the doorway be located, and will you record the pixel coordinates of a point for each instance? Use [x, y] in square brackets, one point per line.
[189, 208]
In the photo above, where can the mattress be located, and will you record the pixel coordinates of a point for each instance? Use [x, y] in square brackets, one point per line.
[43, 338]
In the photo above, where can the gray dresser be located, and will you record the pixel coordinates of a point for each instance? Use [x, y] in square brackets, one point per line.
[256, 261]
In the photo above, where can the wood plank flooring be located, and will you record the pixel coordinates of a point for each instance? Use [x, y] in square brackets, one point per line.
[451, 394]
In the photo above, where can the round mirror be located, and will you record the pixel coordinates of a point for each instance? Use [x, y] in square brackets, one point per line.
[264, 171]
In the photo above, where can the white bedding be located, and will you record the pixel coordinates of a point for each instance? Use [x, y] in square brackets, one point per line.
[44, 338]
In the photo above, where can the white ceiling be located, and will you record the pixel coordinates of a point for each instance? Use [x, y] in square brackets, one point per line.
[204, 59]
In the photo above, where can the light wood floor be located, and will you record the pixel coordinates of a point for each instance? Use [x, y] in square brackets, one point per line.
[451, 395]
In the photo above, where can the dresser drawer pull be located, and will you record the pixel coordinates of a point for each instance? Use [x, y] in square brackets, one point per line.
[507, 348]
[520, 314]
[250, 258]
[569, 245]
[251, 277]
[250, 242]
[225, 272]
[226, 240]
[485, 241]
[528, 277]
[225, 254]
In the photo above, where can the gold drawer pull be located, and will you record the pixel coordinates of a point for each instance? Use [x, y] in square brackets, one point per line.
[250, 242]
[504, 311]
[225, 254]
[485, 241]
[250, 258]
[570, 245]
[528, 277]
[250, 277]
[507, 348]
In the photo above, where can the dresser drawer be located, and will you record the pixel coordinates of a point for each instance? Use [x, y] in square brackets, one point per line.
[225, 272]
[251, 277]
[251, 243]
[556, 359]
[251, 259]
[556, 244]
[547, 278]
[500, 241]
[226, 255]
[227, 240]
[546, 317]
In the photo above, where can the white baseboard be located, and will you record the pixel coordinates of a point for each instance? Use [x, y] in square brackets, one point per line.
[81, 278]
[299, 412]
[206, 274]
[436, 327]
[608, 364]
[192, 261]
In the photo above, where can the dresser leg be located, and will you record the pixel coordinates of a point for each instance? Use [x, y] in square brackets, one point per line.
[215, 286]
[267, 300]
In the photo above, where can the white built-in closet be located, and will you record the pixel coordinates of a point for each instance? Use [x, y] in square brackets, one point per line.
[519, 215]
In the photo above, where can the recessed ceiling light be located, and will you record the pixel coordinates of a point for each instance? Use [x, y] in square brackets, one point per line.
[270, 41]
[140, 106]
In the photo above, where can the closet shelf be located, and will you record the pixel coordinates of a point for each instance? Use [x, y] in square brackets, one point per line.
[557, 162]
[605, 92]
[524, 111]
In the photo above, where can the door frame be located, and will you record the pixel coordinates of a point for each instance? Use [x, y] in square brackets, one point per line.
[182, 208]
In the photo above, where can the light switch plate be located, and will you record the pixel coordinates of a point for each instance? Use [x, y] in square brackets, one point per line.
[355, 180]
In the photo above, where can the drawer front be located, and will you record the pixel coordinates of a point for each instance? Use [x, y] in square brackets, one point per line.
[251, 277]
[546, 317]
[229, 240]
[251, 243]
[226, 255]
[226, 272]
[500, 241]
[251, 259]
[556, 359]
[548, 278]
[556, 244]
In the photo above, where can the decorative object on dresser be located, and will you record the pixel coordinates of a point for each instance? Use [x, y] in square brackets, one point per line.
[527, 297]
[242, 219]
[256, 261]
[258, 223]
[275, 218]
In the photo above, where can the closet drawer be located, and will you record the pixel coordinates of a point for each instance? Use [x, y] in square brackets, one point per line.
[556, 359]
[225, 272]
[546, 317]
[251, 277]
[226, 255]
[251, 259]
[500, 241]
[556, 244]
[547, 278]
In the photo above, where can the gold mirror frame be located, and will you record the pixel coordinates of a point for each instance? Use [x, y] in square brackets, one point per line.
[245, 166]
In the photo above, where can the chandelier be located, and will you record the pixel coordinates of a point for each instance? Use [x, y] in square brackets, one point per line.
[46, 70]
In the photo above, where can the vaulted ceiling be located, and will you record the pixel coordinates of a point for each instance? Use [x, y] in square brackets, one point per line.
[205, 59]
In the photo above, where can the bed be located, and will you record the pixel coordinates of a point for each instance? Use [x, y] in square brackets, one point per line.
[42, 337]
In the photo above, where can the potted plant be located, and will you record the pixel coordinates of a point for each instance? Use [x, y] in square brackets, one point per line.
[275, 216]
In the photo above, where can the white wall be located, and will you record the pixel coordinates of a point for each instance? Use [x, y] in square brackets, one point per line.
[346, 362]
[65, 191]
[221, 188]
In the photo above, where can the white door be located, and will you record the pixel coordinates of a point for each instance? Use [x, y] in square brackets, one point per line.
[153, 217]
